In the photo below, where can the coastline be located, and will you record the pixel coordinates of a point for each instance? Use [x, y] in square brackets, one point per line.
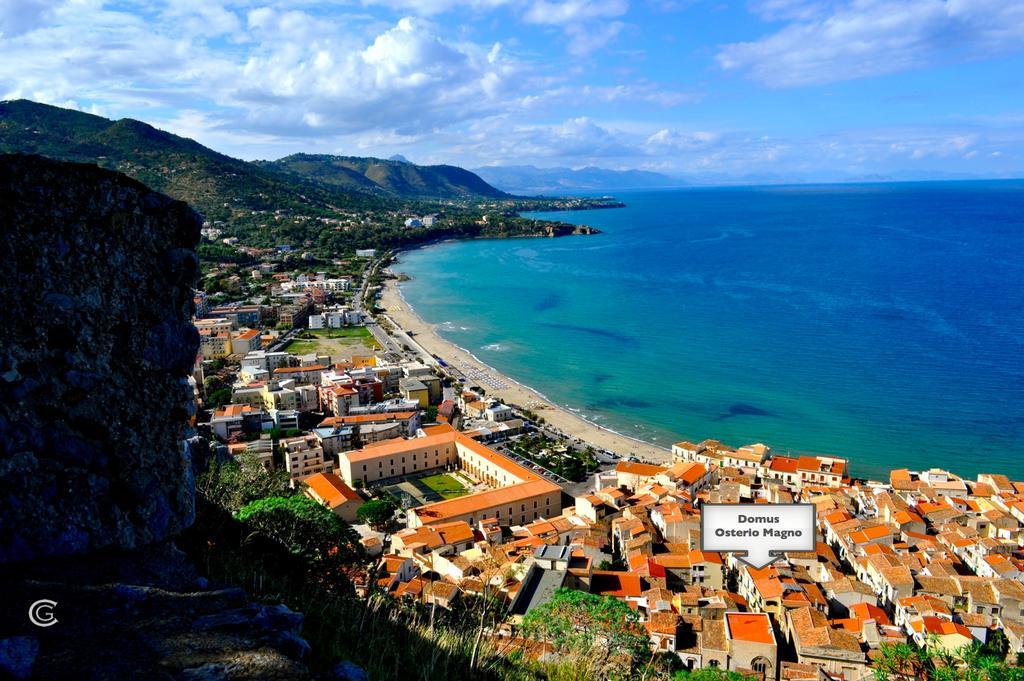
[508, 389]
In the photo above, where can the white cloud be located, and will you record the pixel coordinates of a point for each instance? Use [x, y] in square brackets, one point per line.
[666, 140]
[201, 18]
[407, 79]
[286, 72]
[636, 91]
[587, 24]
[20, 16]
[587, 38]
[568, 12]
[432, 7]
[830, 41]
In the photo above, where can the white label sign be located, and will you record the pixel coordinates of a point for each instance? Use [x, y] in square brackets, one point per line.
[762, 531]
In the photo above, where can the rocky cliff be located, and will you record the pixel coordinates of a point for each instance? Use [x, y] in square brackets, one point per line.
[95, 346]
[96, 478]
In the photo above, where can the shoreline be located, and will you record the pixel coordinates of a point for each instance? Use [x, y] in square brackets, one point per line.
[509, 390]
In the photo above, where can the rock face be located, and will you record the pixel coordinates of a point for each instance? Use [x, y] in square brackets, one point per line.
[95, 346]
[153, 626]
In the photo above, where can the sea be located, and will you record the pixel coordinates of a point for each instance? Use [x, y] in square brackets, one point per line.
[883, 323]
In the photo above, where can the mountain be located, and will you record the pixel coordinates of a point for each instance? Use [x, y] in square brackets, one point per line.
[219, 186]
[533, 180]
[392, 175]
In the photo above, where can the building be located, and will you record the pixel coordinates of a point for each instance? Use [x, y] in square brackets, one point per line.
[367, 429]
[444, 539]
[267, 361]
[518, 495]
[632, 475]
[245, 341]
[239, 314]
[236, 419]
[832, 649]
[214, 344]
[750, 645]
[332, 492]
[821, 471]
[303, 456]
[335, 318]
[414, 389]
[549, 569]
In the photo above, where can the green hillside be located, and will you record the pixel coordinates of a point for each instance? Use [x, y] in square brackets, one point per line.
[397, 177]
[323, 204]
[217, 185]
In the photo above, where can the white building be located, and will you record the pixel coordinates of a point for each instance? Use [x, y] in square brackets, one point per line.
[268, 361]
[335, 318]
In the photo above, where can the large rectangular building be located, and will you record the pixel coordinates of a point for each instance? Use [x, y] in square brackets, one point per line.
[518, 495]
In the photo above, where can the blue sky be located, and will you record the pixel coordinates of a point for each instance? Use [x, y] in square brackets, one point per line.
[815, 89]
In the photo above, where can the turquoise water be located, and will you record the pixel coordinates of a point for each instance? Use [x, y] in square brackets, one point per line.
[884, 323]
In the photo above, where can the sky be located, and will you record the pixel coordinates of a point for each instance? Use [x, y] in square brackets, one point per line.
[815, 89]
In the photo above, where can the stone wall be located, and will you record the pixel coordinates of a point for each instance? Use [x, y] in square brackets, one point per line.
[96, 342]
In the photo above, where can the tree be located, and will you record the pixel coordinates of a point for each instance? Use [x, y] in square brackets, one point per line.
[218, 397]
[997, 644]
[903, 662]
[377, 512]
[603, 630]
[234, 483]
[708, 674]
[303, 526]
[429, 414]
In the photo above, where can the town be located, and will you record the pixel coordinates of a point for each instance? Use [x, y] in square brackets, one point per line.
[455, 494]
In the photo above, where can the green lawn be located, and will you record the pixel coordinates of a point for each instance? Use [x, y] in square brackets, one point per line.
[445, 485]
[304, 347]
[354, 332]
[338, 343]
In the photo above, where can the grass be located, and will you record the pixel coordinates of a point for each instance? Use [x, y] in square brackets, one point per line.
[304, 347]
[355, 332]
[337, 343]
[445, 485]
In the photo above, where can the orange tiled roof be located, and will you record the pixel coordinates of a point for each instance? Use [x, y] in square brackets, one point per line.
[300, 370]
[331, 488]
[636, 468]
[618, 584]
[754, 627]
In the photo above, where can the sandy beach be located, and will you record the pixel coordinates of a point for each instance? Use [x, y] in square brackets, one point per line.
[508, 390]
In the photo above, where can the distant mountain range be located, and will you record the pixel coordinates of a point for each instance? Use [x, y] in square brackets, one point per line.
[532, 180]
[219, 185]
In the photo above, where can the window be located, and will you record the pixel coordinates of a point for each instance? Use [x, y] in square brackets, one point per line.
[760, 665]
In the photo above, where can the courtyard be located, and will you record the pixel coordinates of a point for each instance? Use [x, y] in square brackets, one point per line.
[428, 489]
